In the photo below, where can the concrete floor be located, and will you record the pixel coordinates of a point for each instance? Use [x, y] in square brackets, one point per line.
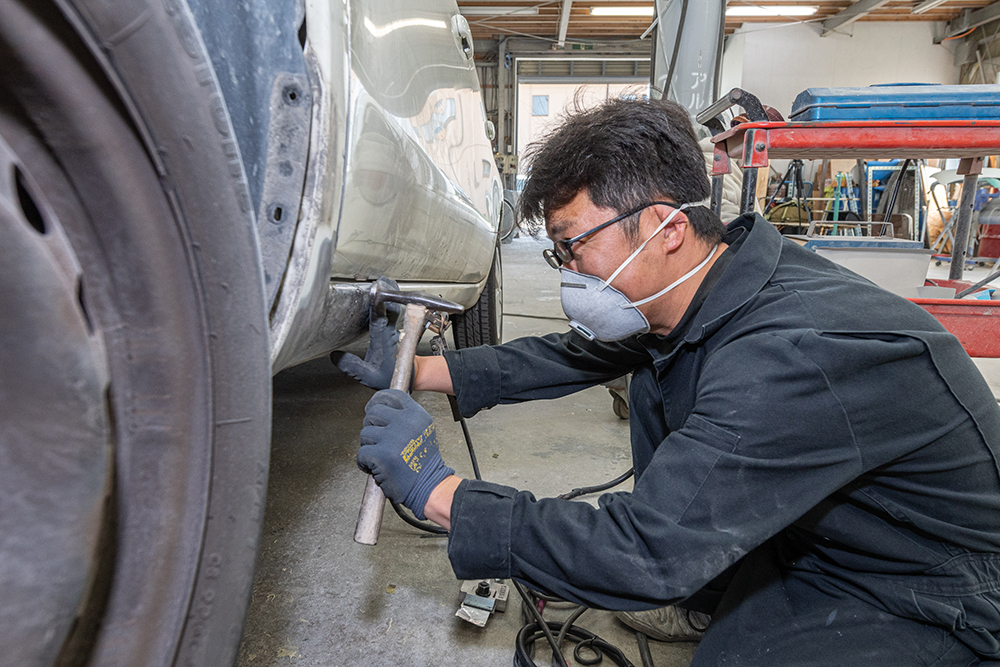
[319, 599]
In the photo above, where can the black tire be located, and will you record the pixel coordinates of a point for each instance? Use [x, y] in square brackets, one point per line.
[127, 152]
[508, 224]
[619, 405]
[483, 323]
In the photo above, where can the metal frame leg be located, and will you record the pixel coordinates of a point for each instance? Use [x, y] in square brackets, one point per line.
[717, 195]
[971, 168]
[748, 194]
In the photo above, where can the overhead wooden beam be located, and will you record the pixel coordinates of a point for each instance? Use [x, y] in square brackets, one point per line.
[537, 49]
[971, 19]
[851, 14]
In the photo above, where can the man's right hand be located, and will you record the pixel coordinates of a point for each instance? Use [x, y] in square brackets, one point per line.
[399, 448]
[375, 370]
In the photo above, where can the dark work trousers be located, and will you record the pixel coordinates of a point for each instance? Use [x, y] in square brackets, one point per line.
[775, 617]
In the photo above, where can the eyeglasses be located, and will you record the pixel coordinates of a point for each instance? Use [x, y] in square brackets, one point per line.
[561, 252]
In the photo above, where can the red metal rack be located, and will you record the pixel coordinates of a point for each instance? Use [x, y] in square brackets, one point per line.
[858, 140]
[755, 143]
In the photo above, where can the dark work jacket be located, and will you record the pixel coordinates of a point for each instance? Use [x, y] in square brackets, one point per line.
[802, 404]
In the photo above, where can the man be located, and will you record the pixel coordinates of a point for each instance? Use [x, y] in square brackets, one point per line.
[816, 459]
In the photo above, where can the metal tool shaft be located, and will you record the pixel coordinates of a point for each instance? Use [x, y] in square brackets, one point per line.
[373, 502]
[382, 293]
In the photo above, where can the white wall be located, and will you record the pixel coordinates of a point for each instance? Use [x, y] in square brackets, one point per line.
[777, 63]
[732, 63]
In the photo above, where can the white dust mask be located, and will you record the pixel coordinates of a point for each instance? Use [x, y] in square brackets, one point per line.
[598, 310]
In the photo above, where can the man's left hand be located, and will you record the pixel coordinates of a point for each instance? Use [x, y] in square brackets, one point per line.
[399, 449]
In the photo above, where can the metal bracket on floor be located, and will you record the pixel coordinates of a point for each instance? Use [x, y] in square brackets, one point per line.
[481, 598]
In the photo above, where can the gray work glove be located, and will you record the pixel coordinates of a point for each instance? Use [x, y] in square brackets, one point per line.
[399, 449]
[375, 371]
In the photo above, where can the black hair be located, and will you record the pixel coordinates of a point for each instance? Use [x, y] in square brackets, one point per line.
[624, 153]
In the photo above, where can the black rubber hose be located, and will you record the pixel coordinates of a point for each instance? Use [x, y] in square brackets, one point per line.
[568, 623]
[600, 487]
[584, 639]
[416, 523]
[539, 623]
[593, 646]
[785, 180]
[895, 189]
[677, 48]
[472, 451]
[644, 654]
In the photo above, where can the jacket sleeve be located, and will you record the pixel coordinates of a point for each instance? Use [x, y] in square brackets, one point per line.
[531, 368]
[767, 440]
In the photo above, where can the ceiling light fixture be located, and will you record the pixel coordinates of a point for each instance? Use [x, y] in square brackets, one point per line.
[621, 11]
[498, 11]
[927, 5]
[770, 10]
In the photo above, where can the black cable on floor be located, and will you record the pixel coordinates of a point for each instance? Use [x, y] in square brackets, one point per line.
[535, 629]
[522, 657]
[568, 623]
[468, 443]
[551, 598]
[600, 487]
[584, 639]
[644, 654]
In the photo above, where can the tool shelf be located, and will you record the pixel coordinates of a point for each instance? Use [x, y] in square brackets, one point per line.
[761, 139]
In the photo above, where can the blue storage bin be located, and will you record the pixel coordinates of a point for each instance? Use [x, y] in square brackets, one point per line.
[898, 102]
[882, 175]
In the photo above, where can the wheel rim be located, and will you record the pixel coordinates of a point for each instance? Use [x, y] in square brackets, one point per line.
[55, 450]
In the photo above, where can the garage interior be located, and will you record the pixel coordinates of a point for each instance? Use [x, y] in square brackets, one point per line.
[321, 599]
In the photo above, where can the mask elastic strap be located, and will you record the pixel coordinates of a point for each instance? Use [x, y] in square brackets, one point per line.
[662, 226]
[642, 245]
[673, 284]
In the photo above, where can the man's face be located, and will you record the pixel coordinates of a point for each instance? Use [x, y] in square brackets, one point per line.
[604, 251]
[597, 254]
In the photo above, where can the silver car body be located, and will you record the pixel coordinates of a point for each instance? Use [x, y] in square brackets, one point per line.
[401, 179]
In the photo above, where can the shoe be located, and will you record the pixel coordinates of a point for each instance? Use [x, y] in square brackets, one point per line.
[667, 624]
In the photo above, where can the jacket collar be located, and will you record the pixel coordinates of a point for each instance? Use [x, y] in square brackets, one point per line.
[746, 275]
